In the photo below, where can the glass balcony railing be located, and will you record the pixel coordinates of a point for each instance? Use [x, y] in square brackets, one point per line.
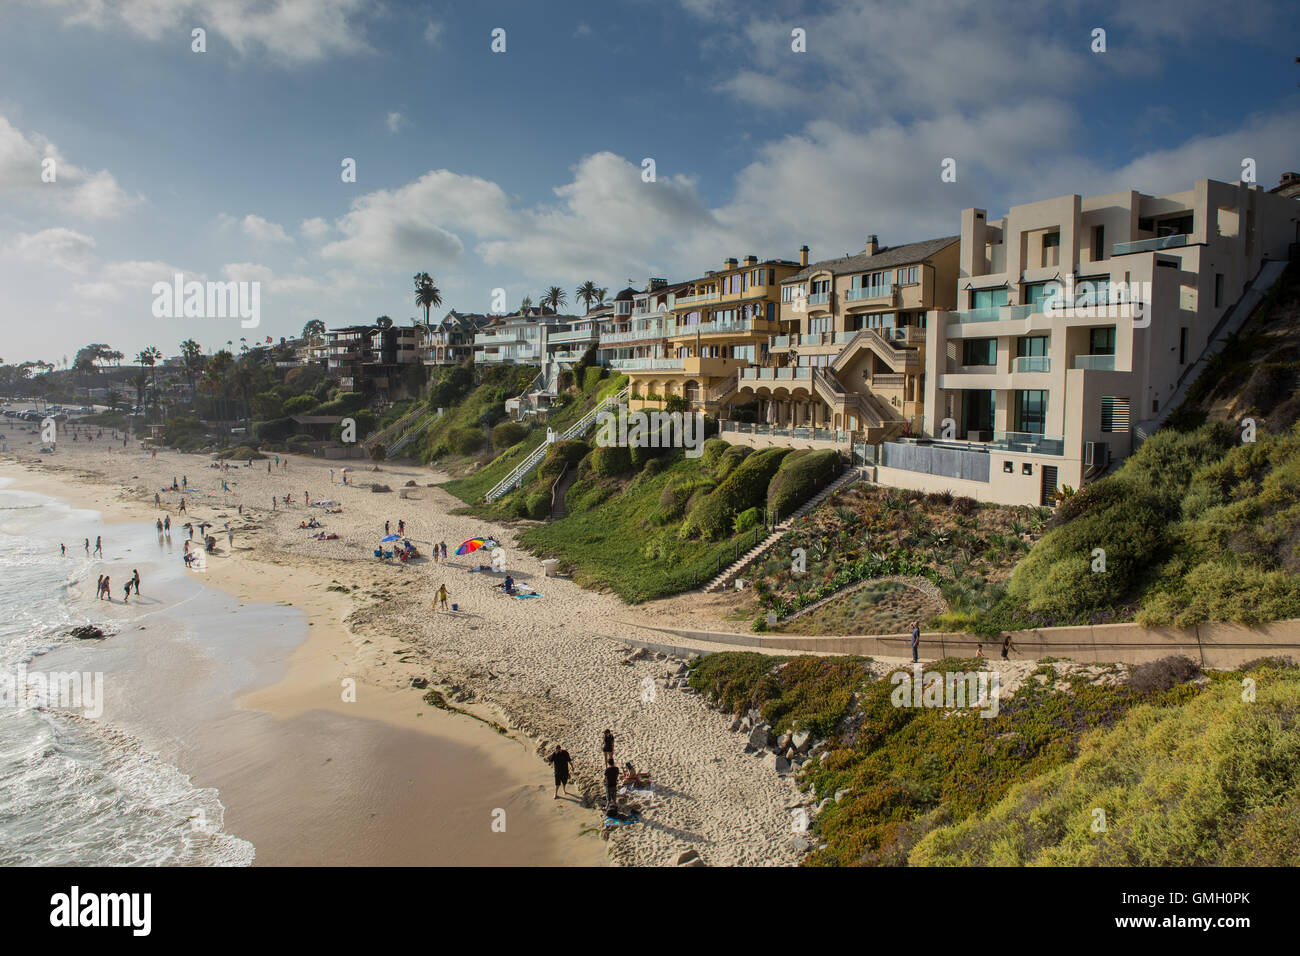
[1033, 363]
[1030, 442]
[858, 293]
[774, 374]
[1096, 363]
[647, 364]
[1149, 245]
[819, 298]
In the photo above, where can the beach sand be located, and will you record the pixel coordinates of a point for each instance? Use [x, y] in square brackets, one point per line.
[548, 668]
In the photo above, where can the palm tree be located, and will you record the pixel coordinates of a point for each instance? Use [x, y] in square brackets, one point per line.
[587, 294]
[191, 361]
[149, 358]
[555, 299]
[525, 304]
[427, 295]
[600, 295]
[139, 381]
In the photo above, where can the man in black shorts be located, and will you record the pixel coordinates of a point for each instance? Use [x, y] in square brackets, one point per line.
[611, 786]
[560, 762]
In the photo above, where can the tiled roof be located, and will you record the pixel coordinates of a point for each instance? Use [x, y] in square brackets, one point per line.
[884, 259]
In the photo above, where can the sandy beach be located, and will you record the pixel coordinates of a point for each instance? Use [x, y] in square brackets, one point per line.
[550, 669]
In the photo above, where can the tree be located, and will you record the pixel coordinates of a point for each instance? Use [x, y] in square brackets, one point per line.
[600, 295]
[427, 295]
[313, 327]
[555, 299]
[191, 361]
[383, 322]
[587, 294]
[525, 304]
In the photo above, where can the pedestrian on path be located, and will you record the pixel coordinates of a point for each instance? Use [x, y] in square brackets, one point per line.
[916, 641]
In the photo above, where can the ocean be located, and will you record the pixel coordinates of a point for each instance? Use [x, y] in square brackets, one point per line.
[88, 772]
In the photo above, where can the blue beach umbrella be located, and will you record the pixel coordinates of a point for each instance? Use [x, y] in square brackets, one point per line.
[391, 537]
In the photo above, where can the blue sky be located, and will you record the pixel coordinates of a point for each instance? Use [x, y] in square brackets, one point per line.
[521, 169]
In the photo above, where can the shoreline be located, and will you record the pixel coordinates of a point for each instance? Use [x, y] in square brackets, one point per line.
[546, 668]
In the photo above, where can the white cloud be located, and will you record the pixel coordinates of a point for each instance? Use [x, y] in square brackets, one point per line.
[433, 33]
[314, 228]
[395, 121]
[291, 31]
[59, 246]
[76, 191]
[130, 282]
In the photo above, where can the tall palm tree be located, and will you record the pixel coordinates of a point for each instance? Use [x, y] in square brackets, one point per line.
[427, 295]
[600, 295]
[525, 304]
[555, 299]
[191, 361]
[587, 294]
[149, 358]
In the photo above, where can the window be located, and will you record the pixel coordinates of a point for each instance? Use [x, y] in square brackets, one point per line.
[1114, 414]
[1218, 289]
[1038, 291]
[791, 292]
[1008, 468]
[1051, 248]
[1051, 240]
[905, 276]
[1028, 345]
[1182, 345]
[1146, 225]
[1030, 411]
[1101, 341]
[1092, 290]
[1098, 243]
[979, 352]
[1177, 226]
[1026, 468]
[988, 298]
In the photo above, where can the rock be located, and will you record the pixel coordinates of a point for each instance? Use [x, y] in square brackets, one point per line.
[746, 724]
[799, 740]
[637, 654]
[735, 724]
[411, 483]
[686, 856]
[781, 764]
[790, 753]
[783, 742]
[760, 735]
[420, 682]
[377, 488]
[86, 632]
[841, 794]
[768, 760]
[799, 844]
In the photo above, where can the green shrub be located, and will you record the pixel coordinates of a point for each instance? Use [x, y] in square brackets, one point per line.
[539, 504]
[747, 520]
[591, 377]
[713, 449]
[508, 434]
[300, 405]
[676, 403]
[800, 476]
[571, 451]
[746, 487]
[465, 441]
[732, 456]
[611, 461]
[277, 430]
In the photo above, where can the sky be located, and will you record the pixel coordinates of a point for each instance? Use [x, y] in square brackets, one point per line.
[526, 168]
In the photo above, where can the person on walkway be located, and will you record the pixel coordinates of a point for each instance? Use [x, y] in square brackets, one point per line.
[979, 651]
[442, 596]
[611, 786]
[1006, 646]
[607, 744]
[916, 641]
[560, 762]
[99, 546]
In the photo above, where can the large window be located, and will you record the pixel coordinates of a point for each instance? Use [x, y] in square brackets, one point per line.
[1031, 345]
[977, 408]
[988, 298]
[979, 352]
[1030, 411]
[1101, 341]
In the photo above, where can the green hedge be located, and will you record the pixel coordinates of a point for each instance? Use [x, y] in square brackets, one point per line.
[465, 441]
[799, 478]
[508, 434]
[746, 487]
[611, 461]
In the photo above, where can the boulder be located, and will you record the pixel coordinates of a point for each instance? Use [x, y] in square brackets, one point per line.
[377, 488]
[735, 724]
[799, 740]
[420, 682]
[799, 844]
[760, 735]
[783, 742]
[781, 765]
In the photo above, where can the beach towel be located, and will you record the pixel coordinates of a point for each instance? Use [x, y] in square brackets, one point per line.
[522, 596]
[622, 821]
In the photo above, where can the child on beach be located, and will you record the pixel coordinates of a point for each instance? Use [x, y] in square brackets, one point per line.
[126, 592]
[560, 762]
[442, 596]
[135, 580]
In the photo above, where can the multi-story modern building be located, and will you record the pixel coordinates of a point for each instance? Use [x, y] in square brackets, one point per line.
[637, 331]
[366, 357]
[849, 361]
[721, 322]
[1077, 321]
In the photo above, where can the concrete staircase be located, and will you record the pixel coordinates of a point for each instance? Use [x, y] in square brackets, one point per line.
[559, 509]
[411, 435]
[748, 558]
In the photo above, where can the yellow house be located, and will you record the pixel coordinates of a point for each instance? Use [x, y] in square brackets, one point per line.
[718, 324]
[848, 362]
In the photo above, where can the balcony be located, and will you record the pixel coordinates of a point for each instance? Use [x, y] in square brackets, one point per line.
[755, 374]
[1032, 363]
[634, 335]
[648, 365]
[696, 299]
[573, 335]
[1029, 442]
[819, 298]
[1149, 245]
[743, 327]
[1095, 363]
[863, 293]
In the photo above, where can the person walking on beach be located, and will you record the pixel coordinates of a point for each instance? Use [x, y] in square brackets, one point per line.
[442, 596]
[230, 537]
[135, 580]
[167, 524]
[268, 467]
[607, 744]
[63, 552]
[611, 786]
[99, 587]
[87, 547]
[182, 507]
[126, 592]
[108, 589]
[401, 528]
[444, 550]
[99, 546]
[385, 528]
[157, 500]
[185, 481]
[916, 641]
[560, 762]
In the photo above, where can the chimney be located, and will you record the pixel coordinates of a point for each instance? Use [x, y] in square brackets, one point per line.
[728, 263]
[751, 261]
[803, 255]
[873, 245]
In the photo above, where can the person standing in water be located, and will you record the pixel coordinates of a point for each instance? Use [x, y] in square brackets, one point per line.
[99, 545]
[135, 580]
